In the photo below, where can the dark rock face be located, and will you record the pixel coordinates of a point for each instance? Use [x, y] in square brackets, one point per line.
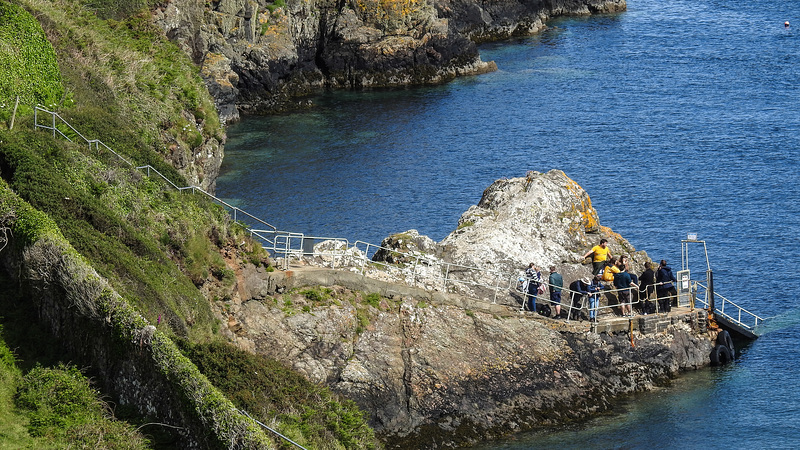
[501, 19]
[440, 375]
[257, 57]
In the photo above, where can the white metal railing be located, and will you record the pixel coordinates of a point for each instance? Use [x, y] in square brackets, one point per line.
[734, 313]
[424, 269]
[96, 144]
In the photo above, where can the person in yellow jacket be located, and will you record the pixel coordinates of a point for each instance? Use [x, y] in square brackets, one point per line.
[611, 268]
[600, 254]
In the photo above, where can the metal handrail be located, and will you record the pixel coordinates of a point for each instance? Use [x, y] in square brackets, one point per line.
[598, 308]
[148, 168]
[276, 432]
[282, 241]
[739, 310]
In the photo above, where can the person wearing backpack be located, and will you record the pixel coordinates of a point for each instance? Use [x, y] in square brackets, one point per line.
[665, 290]
[534, 281]
[577, 289]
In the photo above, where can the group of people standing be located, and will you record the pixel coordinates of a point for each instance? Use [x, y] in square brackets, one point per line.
[615, 272]
[608, 273]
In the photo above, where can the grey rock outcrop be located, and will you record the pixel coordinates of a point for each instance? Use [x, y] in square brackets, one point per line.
[487, 21]
[258, 56]
[547, 219]
[436, 368]
[439, 375]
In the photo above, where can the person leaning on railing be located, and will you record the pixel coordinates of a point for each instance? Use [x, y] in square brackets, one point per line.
[578, 289]
[594, 296]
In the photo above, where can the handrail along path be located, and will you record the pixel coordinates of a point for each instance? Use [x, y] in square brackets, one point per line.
[424, 269]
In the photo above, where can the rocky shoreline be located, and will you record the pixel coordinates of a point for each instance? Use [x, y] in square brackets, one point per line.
[440, 368]
[262, 57]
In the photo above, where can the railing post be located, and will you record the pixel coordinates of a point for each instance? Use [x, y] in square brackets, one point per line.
[53, 115]
[414, 270]
[364, 261]
[496, 288]
[710, 277]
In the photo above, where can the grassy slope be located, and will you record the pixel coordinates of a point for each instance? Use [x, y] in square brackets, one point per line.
[125, 84]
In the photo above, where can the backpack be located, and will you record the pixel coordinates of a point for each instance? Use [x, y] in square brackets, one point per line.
[544, 310]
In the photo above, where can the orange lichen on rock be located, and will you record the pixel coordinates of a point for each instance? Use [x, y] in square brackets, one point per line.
[387, 12]
[583, 206]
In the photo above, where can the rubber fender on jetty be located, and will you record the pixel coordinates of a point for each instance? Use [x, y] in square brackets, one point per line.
[720, 355]
[724, 338]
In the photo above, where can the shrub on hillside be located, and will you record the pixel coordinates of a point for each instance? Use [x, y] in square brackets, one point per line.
[63, 407]
[28, 67]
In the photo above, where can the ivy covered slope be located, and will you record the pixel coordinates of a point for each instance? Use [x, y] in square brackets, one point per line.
[107, 267]
[133, 86]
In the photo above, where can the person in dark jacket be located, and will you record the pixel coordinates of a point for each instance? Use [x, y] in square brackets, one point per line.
[647, 281]
[624, 283]
[578, 289]
[665, 290]
[594, 296]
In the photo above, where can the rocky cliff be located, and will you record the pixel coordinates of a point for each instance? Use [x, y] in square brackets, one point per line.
[256, 56]
[438, 368]
[545, 218]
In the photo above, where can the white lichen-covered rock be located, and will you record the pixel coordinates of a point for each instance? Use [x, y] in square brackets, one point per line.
[544, 218]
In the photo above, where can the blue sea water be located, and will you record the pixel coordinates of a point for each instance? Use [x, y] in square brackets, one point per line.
[676, 117]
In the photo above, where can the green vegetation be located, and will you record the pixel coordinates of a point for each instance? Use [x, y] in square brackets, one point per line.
[62, 407]
[311, 415]
[466, 224]
[56, 408]
[318, 295]
[373, 299]
[139, 94]
[28, 67]
[275, 5]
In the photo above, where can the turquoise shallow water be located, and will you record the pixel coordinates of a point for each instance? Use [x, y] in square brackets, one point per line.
[676, 117]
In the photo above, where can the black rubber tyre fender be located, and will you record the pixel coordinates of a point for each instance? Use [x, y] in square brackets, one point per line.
[724, 338]
[720, 355]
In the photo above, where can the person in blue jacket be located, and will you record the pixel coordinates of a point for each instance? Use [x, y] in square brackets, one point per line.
[625, 284]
